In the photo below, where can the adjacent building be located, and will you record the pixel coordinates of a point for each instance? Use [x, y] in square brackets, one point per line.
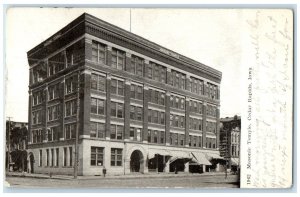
[230, 134]
[16, 145]
[136, 106]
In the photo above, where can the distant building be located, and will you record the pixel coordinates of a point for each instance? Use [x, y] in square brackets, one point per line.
[138, 106]
[17, 144]
[230, 131]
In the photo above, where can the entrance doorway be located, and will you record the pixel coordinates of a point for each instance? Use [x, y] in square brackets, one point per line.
[30, 160]
[137, 161]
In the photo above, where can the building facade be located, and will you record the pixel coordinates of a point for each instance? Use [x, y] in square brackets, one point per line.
[230, 133]
[136, 106]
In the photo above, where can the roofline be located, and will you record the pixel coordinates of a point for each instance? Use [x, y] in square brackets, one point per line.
[131, 36]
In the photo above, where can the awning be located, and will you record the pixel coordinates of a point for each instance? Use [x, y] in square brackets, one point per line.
[180, 155]
[162, 152]
[200, 158]
[211, 156]
[235, 161]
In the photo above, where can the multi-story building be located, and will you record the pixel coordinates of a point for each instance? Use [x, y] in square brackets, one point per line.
[137, 106]
[230, 141]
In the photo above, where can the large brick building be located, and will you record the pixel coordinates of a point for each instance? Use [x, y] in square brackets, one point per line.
[141, 107]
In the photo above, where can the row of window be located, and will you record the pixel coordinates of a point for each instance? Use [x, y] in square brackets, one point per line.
[157, 97]
[54, 133]
[197, 86]
[135, 134]
[157, 137]
[72, 56]
[52, 157]
[196, 107]
[136, 92]
[155, 116]
[210, 142]
[177, 121]
[211, 111]
[196, 124]
[152, 70]
[178, 80]
[136, 113]
[97, 156]
[211, 127]
[177, 102]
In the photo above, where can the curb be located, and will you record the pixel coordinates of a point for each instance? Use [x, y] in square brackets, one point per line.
[112, 177]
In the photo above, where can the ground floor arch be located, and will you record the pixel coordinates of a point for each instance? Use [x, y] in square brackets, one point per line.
[137, 161]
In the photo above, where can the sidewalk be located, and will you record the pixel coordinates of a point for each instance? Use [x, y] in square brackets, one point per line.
[127, 176]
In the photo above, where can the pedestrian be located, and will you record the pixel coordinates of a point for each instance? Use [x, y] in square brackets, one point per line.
[226, 172]
[104, 171]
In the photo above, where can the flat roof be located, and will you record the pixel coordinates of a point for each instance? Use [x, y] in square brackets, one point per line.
[130, 36]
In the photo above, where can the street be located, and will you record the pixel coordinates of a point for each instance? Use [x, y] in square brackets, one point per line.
[215, 181]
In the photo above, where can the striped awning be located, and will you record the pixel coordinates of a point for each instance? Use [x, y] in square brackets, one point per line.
[211, 156]
[235, 161]
[180, 155]
[162, 152]
[200, 158]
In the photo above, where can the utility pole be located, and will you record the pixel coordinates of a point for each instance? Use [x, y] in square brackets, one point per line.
[8, 144]
[77, 128]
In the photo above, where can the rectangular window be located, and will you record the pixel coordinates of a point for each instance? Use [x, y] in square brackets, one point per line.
[149, 115]
[117, 87]
[139, 113]
[97, 106]
[70, 156]
[53, 112]
[71, 107]
[149, 135]
[57, 157]
[155, 137]
[163, 74]
[97, 156]
[155, 116]
[47, 157]
[120, 130]
[118, 59]
[98, 82]
[162, 137]
[41, 158]
[117, 110]
[149, 71]
[37, 98]
[116, 157]
[98, 52]
[53, 91]
[162, 118]
[113, 131]
[97, 130]
[139, 90]
[65, 157]
[131, 133]
[132, 91]
[132, 112]
[70, 131]
[52, 157]
[71, 84]
[138, 134]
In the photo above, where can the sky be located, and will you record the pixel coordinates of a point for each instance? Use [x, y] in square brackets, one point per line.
[209, 36]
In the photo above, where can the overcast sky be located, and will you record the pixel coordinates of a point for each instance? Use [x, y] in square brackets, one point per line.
[211, 37]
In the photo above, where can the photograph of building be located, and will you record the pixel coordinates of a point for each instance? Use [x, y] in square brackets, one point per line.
[135, 106]
[230, 135]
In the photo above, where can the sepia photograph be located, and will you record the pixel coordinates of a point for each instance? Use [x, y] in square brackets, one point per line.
[126, 97]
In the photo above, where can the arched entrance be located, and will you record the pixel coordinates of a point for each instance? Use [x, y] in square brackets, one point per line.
[30, 161]
[136, 161]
